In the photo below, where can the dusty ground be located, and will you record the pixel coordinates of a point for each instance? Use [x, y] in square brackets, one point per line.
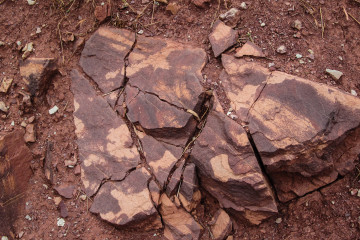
[332, 214]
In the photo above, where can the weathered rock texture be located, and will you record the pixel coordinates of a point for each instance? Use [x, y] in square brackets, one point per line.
[306, 133]
[228, 169]
[104, 54]
[15, 172]
[221, 225]
[128, 202]
[106, 149]
[222, 37]
[249, 49]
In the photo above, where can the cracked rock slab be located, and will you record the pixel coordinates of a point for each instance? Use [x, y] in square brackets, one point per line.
[228, 170]
[189, 194]
[249, 49]
[222, 37]
[106, 149]
[306, 133]
[103, 57]
[128, 202]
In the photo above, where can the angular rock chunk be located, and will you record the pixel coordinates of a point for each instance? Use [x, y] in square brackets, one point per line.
[179, 224]
[173, 185]
[307, 133]
[127, 203]
[304, 131]
[65, 190]
[36, 73]
[103, 56]
[5, 84]
[158, 118]
[228, 170]
[160, 156]
[155, 192]
[15, 172]
[249, 49]
[222, 37]
[170, 70]
[221, 225]
[243, 82]
[189, 194]
[105, 145]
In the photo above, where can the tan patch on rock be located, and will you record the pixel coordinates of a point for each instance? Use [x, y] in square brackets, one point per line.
[249, 49]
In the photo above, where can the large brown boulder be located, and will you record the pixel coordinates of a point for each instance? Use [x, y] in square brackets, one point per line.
[106, 150]
[103, 57]
[15, 172]
[228, 169]
[306, 133]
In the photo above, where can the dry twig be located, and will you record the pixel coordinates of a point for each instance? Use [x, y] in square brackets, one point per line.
[346, 14]
[322, 24]
[354, 18]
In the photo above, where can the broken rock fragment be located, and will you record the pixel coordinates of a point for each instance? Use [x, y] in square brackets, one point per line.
[189, 194]
[249, 49]
[304, 131]
[222, 37]
[104, 54]
[105, 145]
[36, 73]
[221, 225]
[127, 203]
[179, 224]
[228, 170]
[65, 190]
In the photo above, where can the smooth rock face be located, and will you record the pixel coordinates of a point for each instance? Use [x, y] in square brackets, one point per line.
[229, 171]
[179, 224]
[249, 49]
[221, 225]
[105, 145]
[15, 172]
[36, 73]
[189, 193]
[305, 131]
[103, 56]
[222, 37]
[169, 70]
[127, 203]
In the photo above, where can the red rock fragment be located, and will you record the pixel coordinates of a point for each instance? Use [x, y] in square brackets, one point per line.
[65, 190]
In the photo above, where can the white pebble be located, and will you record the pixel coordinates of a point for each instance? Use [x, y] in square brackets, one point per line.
[60, 222]
[53, 110]
[353, 92]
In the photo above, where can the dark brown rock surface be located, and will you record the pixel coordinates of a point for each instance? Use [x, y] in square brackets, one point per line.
[229, 171]
[103, 56]
[127, 203]
[105, 145]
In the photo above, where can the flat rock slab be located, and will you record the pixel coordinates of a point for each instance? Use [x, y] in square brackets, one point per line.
[106, 149]
[306, 133]
[103, 57]
[15, 172]
[222, 37]
[249, 49]
[168, 69]
[128, 202]
[228, 169]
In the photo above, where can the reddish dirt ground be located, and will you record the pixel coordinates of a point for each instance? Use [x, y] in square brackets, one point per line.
[331, 214]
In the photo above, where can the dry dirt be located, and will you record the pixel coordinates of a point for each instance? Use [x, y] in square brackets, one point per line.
[331, 214]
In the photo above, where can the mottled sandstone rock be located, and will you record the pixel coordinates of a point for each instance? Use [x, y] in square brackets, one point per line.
[189, 194]
[221, 225]
[103, 56]
[179, 224]
[306, 133]
[228, 170]
[249, 49]
[222, 37]
[127, 203]
[105, 145]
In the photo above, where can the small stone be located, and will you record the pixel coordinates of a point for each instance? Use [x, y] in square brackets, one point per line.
[27, 217]
[23, 124]
[298, 56]
[12, 123]
[30, 133]
[21, 234]
[5, 84]
[60, 222]
[173, 8]
[38, 30]
[83, 197]
[65, 190]
[140, 31]
[243, 5]
[333, 202]
[2, 43]
[18, 43]
[63, 209]
[262, 24]
[278, 220]
[45, 186]
[70, 163]
[4, 238]
[3, 107]
[53, 110]
[358, 193]
[31, 119]
[29, 47]
[77, 170]
[222, 37]
[297, 25]
[335, 74]
[249, 49]
[281, 49]
[341, 58]
[301, 61]
[353, 92]
[57, 200]
[31, 2]
[271, 65]
[229, 14]
[353, 192]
